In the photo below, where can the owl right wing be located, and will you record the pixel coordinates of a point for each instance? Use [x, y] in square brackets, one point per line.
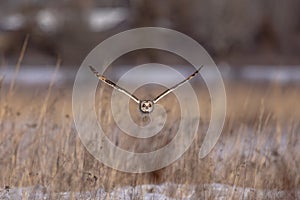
[112, 84]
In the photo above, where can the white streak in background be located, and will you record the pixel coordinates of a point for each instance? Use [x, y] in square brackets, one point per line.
[12, 22]
[36, 75]
[106, 18]
[42, 74]
[282, 74]
[48, 21]
[100, 19]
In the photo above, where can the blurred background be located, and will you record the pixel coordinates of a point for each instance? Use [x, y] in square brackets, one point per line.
[255, 43]
[236, 33]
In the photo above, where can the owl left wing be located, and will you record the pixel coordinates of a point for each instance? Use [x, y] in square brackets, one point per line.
[177, 85]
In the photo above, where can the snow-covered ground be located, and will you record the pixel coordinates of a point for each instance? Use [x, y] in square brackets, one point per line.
[166, 191]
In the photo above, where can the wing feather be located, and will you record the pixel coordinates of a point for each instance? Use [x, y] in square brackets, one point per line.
[177, 85]
[113, 85]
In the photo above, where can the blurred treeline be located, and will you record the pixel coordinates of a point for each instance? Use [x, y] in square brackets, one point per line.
[233, 31]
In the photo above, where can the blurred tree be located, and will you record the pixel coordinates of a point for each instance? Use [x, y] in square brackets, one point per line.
[225, 28]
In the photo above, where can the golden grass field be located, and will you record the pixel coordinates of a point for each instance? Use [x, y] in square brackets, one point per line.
[259, 147]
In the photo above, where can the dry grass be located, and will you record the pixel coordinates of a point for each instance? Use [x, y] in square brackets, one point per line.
[259, 147]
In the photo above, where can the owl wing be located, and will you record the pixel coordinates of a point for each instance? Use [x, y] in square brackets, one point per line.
[113, 85]
[177, 85]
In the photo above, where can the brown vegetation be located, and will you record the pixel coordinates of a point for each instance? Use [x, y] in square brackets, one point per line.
[259, 147]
